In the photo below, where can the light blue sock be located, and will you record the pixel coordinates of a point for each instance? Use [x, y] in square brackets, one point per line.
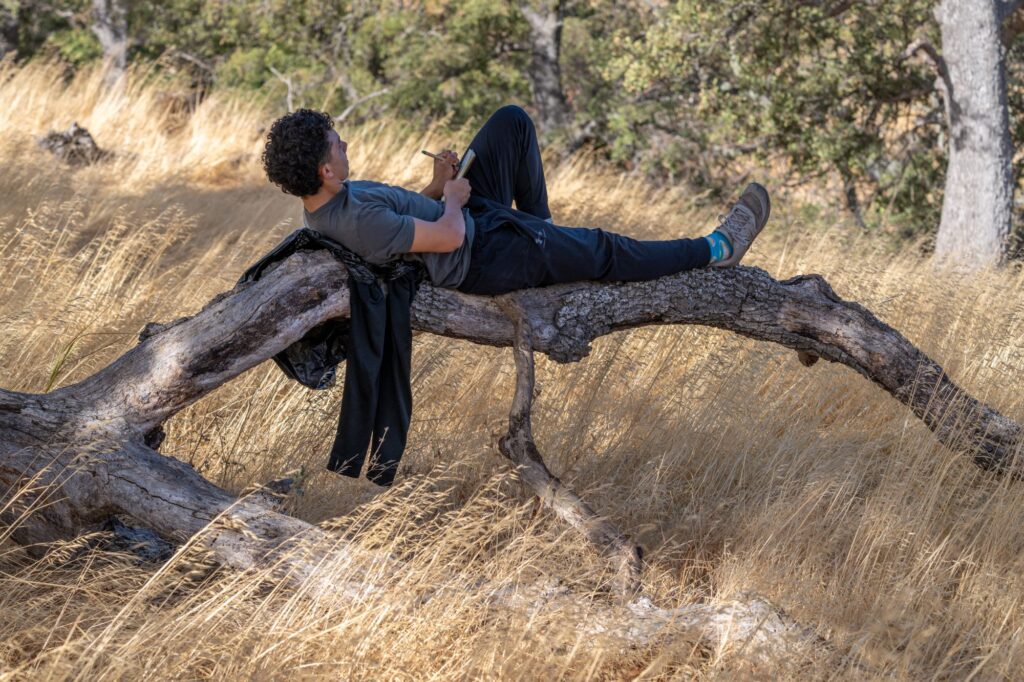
[721, 247]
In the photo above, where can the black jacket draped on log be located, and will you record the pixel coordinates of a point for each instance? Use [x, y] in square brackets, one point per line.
[376, 342]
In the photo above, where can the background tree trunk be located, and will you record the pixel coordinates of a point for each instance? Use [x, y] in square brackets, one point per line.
[978, 199]
[110, 26]
[545, 37]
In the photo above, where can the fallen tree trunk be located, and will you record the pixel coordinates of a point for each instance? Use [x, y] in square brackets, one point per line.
[802, 313]
[71, 458]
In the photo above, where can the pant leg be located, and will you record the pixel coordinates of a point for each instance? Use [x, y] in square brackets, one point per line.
[508, 165]
[521, 252]
[503, 259]
[573, 254]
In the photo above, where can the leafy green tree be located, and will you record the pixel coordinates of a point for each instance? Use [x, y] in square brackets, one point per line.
[820, 84]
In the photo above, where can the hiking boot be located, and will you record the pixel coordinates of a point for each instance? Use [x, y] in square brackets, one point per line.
[744, 222]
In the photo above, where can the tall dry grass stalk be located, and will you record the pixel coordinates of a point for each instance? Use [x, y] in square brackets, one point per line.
[735, 467]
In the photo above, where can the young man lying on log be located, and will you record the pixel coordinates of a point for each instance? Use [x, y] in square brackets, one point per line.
[467, 236]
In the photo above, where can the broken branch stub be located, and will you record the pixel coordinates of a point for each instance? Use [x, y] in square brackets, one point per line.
[75, 146]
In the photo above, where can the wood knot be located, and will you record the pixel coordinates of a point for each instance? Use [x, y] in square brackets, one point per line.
[807, 358]
[816, 282]
[153, 328]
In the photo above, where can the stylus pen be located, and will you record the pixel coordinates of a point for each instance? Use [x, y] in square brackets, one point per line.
[433, 155]
[467, 160]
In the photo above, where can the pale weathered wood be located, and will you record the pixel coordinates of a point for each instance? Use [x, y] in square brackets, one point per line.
[110, 26]
[71, 458]
[977, 201]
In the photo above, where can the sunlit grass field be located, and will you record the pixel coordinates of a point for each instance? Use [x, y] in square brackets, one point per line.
[738, 469]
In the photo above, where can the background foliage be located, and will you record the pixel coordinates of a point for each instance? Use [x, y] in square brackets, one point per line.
[683, 91]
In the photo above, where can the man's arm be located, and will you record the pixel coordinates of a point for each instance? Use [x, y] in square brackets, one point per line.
[447, 232]
[431, 191]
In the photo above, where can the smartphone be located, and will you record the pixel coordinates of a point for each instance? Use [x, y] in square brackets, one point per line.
[467, 161]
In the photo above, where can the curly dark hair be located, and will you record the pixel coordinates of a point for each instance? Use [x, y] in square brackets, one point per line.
[296, 146]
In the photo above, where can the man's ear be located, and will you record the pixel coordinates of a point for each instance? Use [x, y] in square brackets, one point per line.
[325, 172]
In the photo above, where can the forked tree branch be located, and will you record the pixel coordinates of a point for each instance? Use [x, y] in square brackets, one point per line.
[518, 446]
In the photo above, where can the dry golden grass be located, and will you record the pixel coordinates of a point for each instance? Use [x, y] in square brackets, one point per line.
[735, 467]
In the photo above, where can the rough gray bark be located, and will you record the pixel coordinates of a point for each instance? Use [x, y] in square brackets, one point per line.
[978, 199]
[110, 26]
[182, 361]
[802, 313]
[71, 458]
[545, 75]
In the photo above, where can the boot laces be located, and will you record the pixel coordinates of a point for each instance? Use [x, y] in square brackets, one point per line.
[736, 223]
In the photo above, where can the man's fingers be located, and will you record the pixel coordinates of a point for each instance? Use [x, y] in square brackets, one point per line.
[451, 164]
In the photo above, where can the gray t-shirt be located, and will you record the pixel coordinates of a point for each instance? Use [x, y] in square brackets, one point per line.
[375, 221]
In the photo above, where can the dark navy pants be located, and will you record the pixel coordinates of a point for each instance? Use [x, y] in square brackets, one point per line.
[517, 248]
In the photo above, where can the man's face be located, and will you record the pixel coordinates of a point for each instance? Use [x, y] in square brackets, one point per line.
[335, 169]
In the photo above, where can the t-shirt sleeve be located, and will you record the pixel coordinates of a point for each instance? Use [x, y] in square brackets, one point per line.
[383, 234]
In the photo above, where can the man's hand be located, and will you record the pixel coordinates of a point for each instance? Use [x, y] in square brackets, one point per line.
[456, 192]
[445, 168]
